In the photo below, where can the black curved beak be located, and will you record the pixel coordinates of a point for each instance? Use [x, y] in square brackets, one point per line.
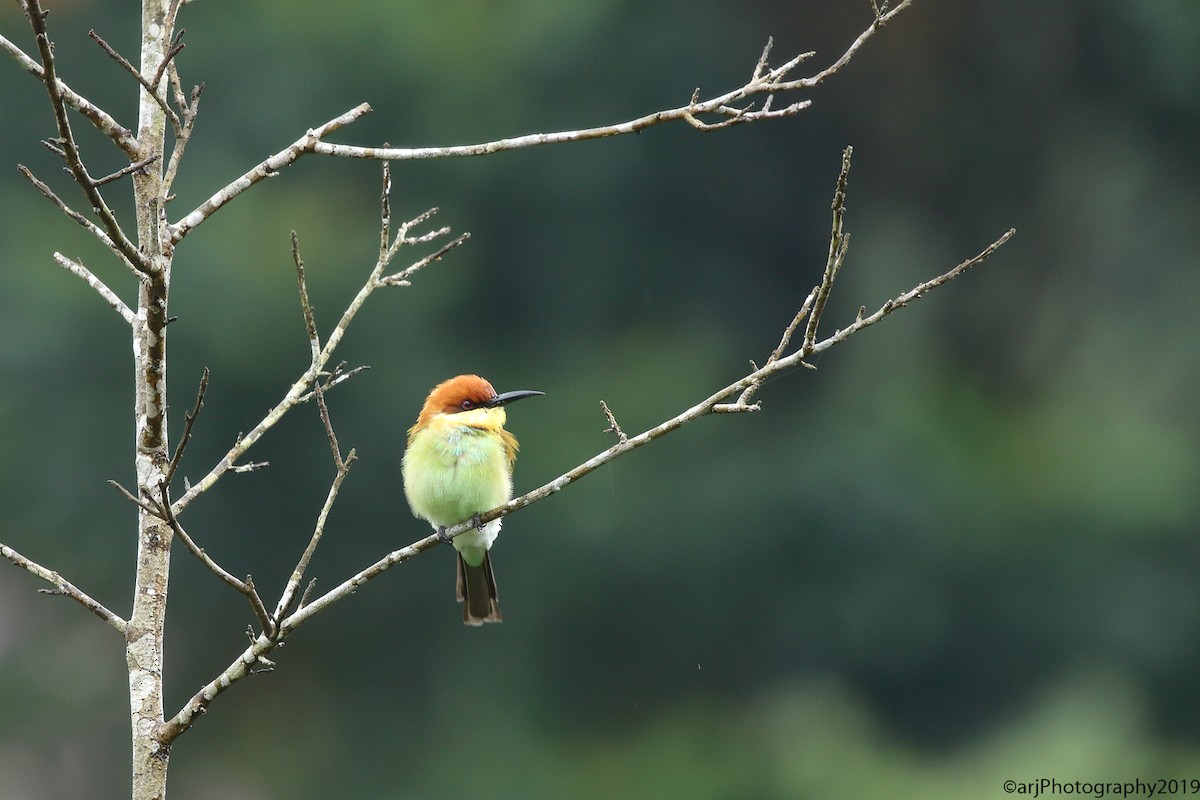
[509, 397]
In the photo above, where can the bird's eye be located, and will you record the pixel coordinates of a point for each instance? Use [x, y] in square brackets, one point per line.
[466, 405]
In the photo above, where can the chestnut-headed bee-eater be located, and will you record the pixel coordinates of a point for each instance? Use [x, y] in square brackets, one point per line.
[457, 465]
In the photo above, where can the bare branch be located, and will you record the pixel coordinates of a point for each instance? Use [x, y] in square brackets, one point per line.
[108, 221]
[838, 243]
[265, 169]
[245, 587]
[763, 81]
[176, 47]
[71, 213]
[242, 666]
[148, 507]
[293, 584]
[77, 268]
[902, 300]
[302, 388]
[272, 634]
[99, 118]
[189, 420]
[753, 378]
[190, 111]
[147, 85]
[64, 587]
[126, 170]
[613, 427]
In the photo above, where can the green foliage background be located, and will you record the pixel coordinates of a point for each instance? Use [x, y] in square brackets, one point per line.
[963, 550]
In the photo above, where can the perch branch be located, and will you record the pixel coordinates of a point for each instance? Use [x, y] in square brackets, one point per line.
[713, 404]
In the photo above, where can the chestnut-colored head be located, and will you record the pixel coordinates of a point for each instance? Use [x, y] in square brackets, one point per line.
[461, 393]
[465, 393]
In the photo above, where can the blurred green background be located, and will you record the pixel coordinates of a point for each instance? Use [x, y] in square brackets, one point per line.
[963, 550]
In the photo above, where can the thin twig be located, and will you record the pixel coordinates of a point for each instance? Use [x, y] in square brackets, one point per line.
[314, 341]
[149, 507]
[190, 110]
[147, 85]
[253, 466]
[401, 277]
[310, 323]
[308, 590]
[790, 331]
[64, 587]
[189, 419]
[176, 47]
[334, 378]
[126, 170]
[245, 587]
[71, 213]
[613, 427]
[838, 242]
[293, 584]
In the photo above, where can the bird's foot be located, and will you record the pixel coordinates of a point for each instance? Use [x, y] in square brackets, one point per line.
[441, 534]
[475, 523]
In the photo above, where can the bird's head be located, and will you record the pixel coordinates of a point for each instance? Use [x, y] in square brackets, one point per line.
[471, 397]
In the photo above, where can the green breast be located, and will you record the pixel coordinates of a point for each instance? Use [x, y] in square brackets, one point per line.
[453, 473]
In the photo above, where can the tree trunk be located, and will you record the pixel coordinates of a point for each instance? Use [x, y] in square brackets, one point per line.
[144, 639]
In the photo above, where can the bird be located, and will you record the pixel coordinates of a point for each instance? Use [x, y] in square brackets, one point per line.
[458, 464]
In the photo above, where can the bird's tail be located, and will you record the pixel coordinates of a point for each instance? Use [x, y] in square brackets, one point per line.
[477, 592]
